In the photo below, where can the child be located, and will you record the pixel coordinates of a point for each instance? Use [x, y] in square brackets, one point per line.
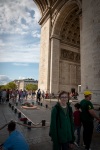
[77, 123]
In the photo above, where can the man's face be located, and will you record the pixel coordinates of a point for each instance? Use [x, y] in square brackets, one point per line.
[90, 96]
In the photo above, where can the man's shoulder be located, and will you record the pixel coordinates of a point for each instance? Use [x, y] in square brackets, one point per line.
[82, 101]
[85, 101]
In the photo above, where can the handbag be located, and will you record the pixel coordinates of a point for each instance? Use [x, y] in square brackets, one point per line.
[98, 127]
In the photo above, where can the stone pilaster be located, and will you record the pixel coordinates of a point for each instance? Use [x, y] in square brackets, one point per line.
[90, 48]
[54, 69]
[44, 64]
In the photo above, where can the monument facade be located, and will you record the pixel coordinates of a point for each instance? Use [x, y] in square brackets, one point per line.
[70, 45]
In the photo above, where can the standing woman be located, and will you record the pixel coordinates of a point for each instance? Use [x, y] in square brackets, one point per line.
[61, 125]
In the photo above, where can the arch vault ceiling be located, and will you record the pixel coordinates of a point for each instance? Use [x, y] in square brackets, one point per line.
[70, 32]
[45, 5]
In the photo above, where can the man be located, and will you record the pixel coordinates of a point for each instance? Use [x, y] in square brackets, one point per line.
[87, 116]
[15, 141]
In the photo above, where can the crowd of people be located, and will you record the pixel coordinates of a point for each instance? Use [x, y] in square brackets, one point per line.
[22, 95]
[14, 95]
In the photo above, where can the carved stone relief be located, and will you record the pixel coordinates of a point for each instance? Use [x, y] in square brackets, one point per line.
[64, 73]
[70, 32]
[70, 56]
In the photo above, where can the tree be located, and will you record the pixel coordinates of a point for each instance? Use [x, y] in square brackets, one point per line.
[31, 87]
[11, 85]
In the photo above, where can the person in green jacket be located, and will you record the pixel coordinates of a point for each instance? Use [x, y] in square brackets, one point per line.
[87, 117]
[61, 125]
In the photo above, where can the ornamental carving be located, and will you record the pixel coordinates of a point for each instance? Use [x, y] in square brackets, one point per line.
[70, 32]
[70, 56]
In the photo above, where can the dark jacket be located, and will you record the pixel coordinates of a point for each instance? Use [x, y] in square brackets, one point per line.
[61, 126]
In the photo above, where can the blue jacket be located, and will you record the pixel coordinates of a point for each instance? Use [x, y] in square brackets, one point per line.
[15, 141]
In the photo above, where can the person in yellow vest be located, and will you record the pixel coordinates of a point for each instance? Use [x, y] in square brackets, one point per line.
[87, 116]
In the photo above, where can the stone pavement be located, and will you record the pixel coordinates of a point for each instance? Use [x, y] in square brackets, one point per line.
[37, 138]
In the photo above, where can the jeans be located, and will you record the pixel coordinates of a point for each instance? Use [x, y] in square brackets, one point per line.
[61, 146]
[64, 146]
[87, 133]
[78, 130]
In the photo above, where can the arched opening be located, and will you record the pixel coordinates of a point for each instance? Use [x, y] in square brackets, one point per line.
[66, 31]
[60, 45]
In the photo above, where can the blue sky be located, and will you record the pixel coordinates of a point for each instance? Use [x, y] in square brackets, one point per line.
[19, 40]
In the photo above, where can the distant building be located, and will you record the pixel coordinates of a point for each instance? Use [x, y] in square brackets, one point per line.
[21, 84]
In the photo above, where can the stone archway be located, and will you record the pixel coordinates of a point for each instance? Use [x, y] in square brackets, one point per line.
[65, 49]
[59, 67]
[57, 41]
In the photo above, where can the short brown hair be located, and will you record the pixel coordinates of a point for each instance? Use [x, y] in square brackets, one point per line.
[61, 93]
[11, 126]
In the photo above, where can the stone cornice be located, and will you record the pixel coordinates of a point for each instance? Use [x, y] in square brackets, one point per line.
[51, 9]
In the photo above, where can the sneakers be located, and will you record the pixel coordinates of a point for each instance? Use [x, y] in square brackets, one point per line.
[76, 144]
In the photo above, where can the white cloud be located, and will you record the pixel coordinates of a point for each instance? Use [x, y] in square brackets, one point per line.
[36, 34]
[21, 78]
[20, 64]
[23, 54]
[19, 31]
[13, 12]
[4, 79]
[2, 43]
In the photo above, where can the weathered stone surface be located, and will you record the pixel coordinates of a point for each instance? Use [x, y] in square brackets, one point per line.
[69, 40]
[90, 48]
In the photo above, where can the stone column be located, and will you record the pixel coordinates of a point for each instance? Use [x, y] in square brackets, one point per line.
[90, 48]
[44, 65]
[54, 69]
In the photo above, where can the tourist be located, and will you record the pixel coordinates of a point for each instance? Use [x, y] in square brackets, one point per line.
[38, 95]
[77, 122]
[87, 116]
[15, 141]
[61, 125]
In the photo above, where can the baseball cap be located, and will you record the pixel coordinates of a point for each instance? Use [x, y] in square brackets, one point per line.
[87, 93]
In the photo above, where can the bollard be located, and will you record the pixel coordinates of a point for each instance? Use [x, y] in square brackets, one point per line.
[33, 103]
[46, 106]
[29, 123]
[16, 103]
[9, 105]
[19, 115]
[38, 103]
[12, 107]
[41, 104]
[25, 121]
[15, 110]
[43, 122]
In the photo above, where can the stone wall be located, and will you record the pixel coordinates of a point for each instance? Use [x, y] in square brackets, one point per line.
[44, 57]
[90, 48]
